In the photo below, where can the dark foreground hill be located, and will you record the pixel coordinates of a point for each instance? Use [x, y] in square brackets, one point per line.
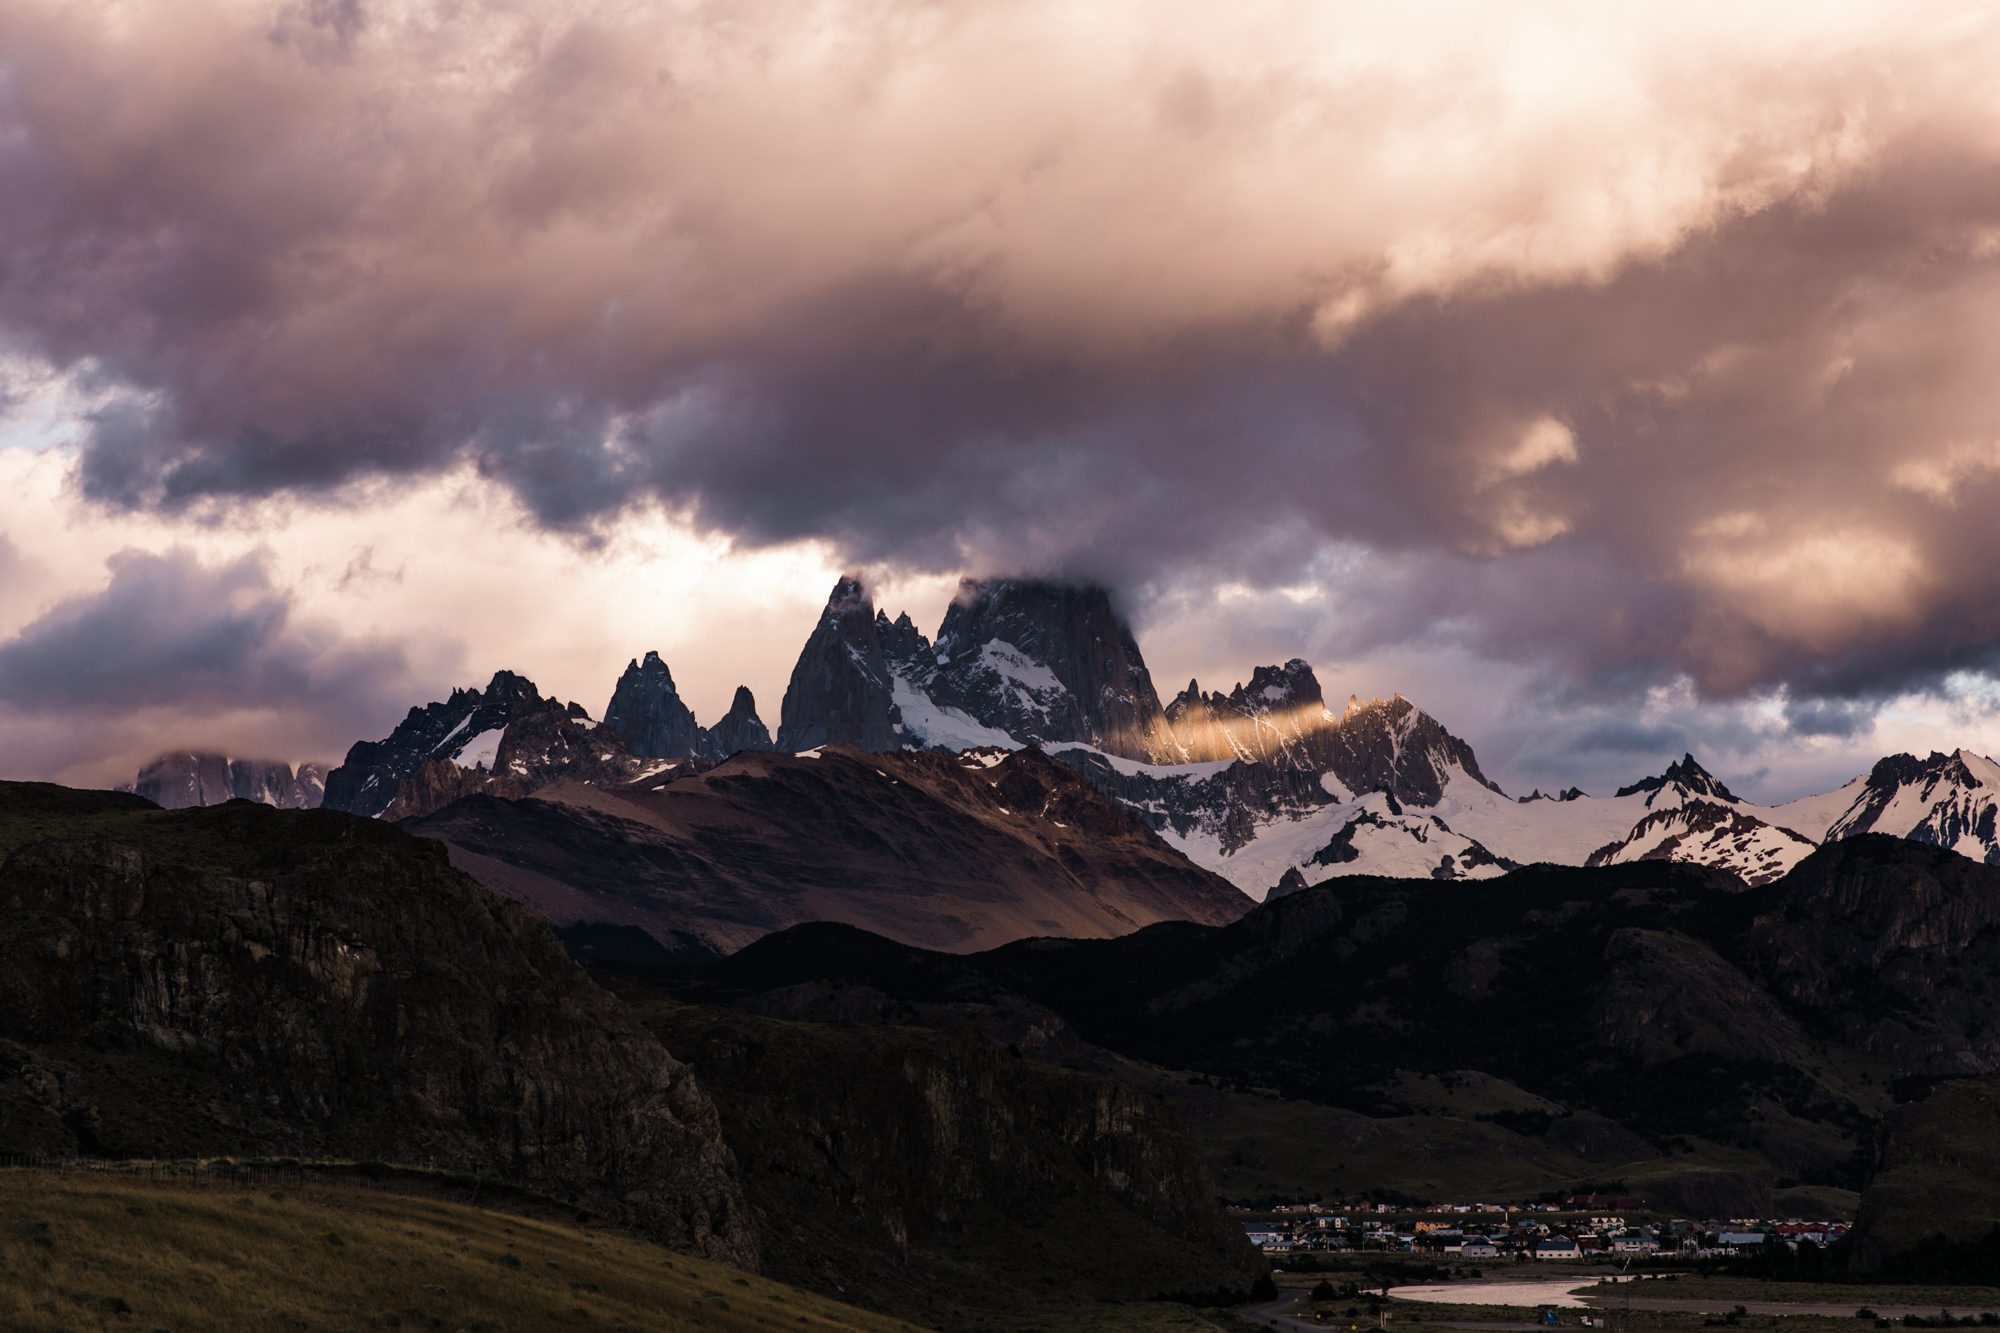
[933, 849]
[245, 980]
[1650, 1022]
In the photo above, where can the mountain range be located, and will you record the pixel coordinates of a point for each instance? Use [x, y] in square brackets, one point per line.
[1265, 785]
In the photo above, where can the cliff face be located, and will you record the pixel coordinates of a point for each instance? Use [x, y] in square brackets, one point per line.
[1894, 947]
[647, 714]
[877, 1154]
[739, 729]
[239, 979]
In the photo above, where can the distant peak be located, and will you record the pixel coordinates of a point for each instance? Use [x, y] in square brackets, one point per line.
[1688, 775]
[848, 596]
[652, 665]
[507, 685]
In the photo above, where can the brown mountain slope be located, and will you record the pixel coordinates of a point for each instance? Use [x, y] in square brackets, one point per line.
[941, 851]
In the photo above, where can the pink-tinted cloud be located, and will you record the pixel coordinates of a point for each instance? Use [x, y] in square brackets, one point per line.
[1641, 344]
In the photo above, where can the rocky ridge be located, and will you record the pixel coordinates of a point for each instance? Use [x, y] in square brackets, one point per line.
[464, 729]
[551, 743]
[1783, 1020]
[1266, 785]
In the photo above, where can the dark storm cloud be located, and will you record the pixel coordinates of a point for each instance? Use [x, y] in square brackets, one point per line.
[171, 638]
[1689, 374]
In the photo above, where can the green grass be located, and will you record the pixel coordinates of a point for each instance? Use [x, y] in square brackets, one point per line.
[90, 1252]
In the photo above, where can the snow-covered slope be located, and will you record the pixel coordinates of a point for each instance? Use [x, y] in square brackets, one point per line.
[1947, 800]
[1710, 833]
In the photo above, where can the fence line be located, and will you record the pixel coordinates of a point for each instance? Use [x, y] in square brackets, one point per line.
[265, 1174]
[217, 1172]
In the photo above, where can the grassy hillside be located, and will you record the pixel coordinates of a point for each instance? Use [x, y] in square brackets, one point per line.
[87, 1251]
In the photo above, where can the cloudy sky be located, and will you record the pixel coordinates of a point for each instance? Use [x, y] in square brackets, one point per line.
[1611, 380]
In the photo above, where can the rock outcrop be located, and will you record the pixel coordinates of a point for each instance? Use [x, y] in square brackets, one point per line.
[245, 980]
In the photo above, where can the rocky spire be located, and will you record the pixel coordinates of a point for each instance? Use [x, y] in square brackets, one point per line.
[841, 691]
[647, 714]
[739, 729]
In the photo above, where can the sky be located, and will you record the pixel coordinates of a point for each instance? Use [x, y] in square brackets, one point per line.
[1610, 380]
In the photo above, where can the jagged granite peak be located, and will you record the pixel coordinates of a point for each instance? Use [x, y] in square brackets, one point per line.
[182, 779]
[1273, 719]
[1947, 800]
[1690, 777]
[739, 729]
[842, 691]
[1566, 794]
[552, 742]
[1048, 662]
[468, 723]
[647, 714]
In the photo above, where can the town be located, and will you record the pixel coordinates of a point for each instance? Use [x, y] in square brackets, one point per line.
[1521, 1233]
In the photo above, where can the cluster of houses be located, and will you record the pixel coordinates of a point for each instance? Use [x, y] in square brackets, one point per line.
[1491, 1232]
